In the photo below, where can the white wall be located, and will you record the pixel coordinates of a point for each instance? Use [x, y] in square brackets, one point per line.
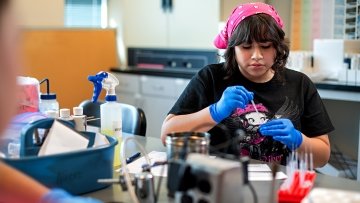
[116, 20]
[40, 13]
[227, 6]
[284, 9]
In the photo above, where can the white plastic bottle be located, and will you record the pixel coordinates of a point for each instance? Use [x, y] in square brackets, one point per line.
[79, 119]
[111, 123]
[110, 112]
[48, 102]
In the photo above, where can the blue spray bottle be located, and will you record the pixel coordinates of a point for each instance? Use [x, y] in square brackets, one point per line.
[110, 112]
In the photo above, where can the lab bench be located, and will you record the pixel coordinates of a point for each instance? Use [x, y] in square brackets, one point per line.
[115, 194]
[156, 91]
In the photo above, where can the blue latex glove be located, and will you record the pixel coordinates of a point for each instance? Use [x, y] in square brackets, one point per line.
[283, 131]
[61, 196]
[232, 98]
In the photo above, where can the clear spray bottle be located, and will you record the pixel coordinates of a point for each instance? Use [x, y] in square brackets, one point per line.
[110, 112]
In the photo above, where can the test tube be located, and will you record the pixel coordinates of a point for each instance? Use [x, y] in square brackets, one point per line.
[253, 103]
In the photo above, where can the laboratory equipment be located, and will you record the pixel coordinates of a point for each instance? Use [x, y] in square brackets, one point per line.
[205, 179]
[54, 171]
[143, 192]
[253, 104]
[301, 178]
[144, 187]
[195, 142]
[178, 145]
[48, 100]
[110, 112]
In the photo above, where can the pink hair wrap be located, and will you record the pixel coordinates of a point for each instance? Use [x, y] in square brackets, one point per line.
[239, 14]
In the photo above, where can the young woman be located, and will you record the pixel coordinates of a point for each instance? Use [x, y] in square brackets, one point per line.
[16, 187]
[287, 113]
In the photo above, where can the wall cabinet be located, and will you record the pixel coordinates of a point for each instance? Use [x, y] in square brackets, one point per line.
[144, 23]
[193, 23]
[155, 95]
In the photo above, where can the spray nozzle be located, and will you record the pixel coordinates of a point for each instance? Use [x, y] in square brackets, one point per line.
[104, 80]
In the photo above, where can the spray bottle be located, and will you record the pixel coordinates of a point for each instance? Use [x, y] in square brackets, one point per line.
[110, 112]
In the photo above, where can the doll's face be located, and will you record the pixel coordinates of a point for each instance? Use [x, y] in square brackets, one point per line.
[9, 65]
[256, 119]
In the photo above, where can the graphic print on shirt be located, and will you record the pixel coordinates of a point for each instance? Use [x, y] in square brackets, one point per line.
[252, 143]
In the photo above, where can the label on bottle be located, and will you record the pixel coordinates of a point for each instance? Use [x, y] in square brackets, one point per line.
[117, 127]
[117, 130]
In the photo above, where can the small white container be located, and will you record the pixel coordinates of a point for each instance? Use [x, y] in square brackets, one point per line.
[65, 115]
[79, 119]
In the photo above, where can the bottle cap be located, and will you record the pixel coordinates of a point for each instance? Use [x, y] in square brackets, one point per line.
[110, 98]
[52, 114]
[49, 96]
[64, 113]
[78, 111]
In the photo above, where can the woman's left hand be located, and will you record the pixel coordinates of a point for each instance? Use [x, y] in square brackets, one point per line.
[282, 130]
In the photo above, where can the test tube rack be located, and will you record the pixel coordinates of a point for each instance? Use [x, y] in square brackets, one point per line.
[298, 189]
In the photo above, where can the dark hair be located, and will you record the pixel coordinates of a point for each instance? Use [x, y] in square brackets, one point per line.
[260, 28]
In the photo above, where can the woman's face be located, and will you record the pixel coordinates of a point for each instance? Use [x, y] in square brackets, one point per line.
[255, 60]
[9, 66]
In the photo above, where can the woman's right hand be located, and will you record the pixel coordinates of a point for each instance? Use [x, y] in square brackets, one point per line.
[232, 98]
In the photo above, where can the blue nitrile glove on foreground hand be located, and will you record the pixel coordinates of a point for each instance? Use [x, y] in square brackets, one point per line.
[61, 196]
[232, 98]
[282, 130]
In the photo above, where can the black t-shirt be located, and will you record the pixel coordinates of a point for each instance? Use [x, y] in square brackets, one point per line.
[295, 98]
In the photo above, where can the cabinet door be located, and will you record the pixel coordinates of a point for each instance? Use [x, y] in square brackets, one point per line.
[180, 85]
[156, 109]
[128, 83]
[158, 86]
[144, 23]
[133, 99]
[194, 23]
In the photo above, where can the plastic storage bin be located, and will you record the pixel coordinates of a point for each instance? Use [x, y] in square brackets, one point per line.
[77, 172]
[10, 140]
